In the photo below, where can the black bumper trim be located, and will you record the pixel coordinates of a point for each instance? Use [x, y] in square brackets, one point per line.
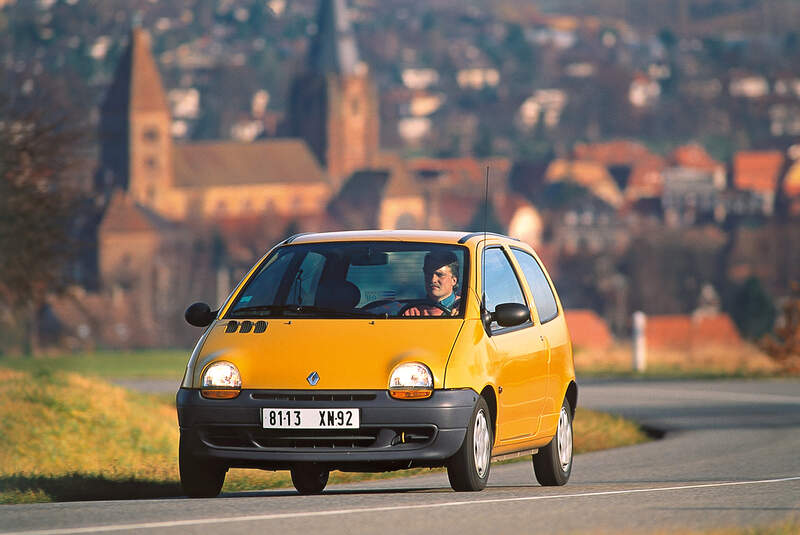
[393, 434]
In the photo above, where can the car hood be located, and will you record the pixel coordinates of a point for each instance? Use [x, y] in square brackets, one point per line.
[346, 354]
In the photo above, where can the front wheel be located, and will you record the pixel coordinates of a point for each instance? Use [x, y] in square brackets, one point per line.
[553, 463]
[199, 478]
[309, 479]
[468, 469]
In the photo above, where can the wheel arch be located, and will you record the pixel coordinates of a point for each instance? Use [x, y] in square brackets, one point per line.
[572, 396]
[491, 400]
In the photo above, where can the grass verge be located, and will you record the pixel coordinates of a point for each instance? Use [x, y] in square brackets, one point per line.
[66, 436]
[149, 364]
[734, 361]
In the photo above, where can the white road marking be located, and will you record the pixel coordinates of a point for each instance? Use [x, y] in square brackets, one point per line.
[334, 512]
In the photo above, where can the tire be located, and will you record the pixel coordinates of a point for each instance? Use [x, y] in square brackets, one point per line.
[468, 469]
[199, 478]
[553, 464]
[309, 478]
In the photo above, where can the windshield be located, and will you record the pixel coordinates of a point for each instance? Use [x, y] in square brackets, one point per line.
[356, 279]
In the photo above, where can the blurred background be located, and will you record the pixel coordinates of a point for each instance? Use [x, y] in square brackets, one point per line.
[152, 151]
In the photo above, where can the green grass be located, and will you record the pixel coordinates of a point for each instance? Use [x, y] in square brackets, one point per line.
[93, 440]
[150, 364]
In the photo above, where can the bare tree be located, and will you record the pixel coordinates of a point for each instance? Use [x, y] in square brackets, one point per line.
[41, 163]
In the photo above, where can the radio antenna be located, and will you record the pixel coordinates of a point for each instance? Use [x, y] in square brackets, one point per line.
[483, 256]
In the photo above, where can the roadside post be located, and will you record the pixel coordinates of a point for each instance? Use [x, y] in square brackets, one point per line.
[639, 342]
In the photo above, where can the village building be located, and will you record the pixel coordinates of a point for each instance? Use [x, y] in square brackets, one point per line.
[756, 175]
[183, 220]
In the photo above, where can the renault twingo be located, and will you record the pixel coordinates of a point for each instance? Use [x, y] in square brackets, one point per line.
[378, 351]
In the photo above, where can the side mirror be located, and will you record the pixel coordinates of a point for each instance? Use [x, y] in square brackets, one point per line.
[199, 315]
[511, 314]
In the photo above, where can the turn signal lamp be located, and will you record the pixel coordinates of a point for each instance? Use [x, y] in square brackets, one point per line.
[221, 380]
[411, 380]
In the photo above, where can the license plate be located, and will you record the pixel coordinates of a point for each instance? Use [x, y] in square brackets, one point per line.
[310, 418]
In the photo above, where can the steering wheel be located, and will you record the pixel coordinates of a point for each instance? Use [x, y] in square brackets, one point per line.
[417, 302]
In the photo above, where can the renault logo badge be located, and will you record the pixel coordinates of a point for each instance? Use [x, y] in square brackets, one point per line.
[313, 379]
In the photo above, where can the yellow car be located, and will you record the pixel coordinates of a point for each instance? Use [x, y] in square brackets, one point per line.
[378, 351]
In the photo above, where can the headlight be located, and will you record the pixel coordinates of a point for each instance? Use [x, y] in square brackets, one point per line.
[221, 380]
[411, 380]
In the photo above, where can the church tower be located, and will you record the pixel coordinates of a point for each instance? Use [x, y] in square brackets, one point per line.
[135, 140]
[334, 104]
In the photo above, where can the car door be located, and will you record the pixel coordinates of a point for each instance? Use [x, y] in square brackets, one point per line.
[518, 354]
[552, 328]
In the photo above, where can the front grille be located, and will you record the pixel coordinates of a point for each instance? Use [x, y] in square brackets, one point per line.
[330, 439]
[313, 438]
[313, 396]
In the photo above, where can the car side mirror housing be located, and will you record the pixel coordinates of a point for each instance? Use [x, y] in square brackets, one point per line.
[199, 315]
[511, 314]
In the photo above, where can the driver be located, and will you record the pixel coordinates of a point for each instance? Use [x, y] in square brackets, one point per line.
[441, 279]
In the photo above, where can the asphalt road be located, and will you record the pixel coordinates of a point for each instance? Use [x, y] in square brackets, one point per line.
[730, 457]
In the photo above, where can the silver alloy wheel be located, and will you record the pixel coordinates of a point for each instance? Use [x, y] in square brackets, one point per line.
[564, 440]
[480, 443]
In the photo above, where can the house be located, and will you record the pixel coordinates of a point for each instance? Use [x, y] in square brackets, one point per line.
[645, 180]
[749, 86]
[620, 156]
[692, 186]
[544, 104]
[758, 172]
[689, 196]
[643, 91]
[588, 174]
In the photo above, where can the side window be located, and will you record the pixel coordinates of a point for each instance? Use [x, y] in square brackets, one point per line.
[502, 285]
[304, 286]
[540, 289]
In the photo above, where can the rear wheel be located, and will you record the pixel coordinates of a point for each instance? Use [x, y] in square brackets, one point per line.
[200, 478]
[309, 478]
[468, 469]
[553, 463]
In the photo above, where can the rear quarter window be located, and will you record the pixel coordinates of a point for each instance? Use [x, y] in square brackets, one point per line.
[543, 297]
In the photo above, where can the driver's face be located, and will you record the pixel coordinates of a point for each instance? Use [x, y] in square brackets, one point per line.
[439, 283]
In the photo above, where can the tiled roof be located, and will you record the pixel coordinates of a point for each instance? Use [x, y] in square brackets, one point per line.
[757, 170]
[589, 174]
[147, 92]
[123, 214]
[694, 156]
[587, 329]
[617, 152]
[684, 331]
[401, 182]
[645, 179]
[464, 173]
[228, 163]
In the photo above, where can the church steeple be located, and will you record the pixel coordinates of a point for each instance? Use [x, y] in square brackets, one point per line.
[135, 140]
[333, 49]
[334, 104]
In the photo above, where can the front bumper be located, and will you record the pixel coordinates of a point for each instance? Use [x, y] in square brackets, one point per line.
[393, 433]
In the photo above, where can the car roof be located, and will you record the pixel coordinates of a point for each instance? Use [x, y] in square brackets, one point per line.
[438, 236]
